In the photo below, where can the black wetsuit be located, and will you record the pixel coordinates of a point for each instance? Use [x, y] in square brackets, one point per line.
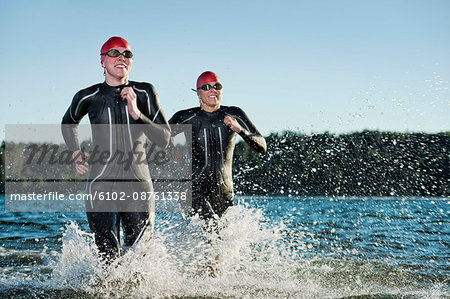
[213, 145]
[115, 131]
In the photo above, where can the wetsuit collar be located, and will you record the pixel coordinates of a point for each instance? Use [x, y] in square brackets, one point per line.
[106, 85]
[107, 89]
[218, 109]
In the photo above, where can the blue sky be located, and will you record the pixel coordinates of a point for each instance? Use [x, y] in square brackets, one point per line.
[307, 66]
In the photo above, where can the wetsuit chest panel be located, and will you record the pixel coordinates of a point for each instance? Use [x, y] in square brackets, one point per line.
[212, 142]
[107, 102]
[98, 111]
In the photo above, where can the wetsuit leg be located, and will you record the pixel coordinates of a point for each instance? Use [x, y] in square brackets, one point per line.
[134, 225]
[105, 226]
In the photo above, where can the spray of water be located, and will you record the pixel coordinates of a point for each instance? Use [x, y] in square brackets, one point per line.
[247, 258]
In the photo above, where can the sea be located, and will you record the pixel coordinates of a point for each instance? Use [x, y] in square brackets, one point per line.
[266, 247]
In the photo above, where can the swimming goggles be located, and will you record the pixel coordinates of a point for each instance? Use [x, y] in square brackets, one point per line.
[216, 86]
[116, 53]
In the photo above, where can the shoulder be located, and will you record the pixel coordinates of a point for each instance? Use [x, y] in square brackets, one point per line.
[87, 92]
[233, 110]
[143, 86]
[184, 115]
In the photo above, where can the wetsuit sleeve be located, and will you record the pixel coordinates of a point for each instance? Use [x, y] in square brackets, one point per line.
[175, 130]
[249, 132]
[69, 124]
[157, 128]
[174, 120]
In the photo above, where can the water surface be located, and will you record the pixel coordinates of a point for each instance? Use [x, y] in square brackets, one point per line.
[269, 247]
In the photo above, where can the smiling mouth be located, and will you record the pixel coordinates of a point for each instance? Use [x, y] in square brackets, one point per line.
[121, 66]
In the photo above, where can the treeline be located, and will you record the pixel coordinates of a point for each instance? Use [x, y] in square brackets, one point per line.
[367, 163]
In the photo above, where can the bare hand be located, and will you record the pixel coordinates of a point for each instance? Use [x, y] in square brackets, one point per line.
[232, 123]
[81, 165]
[129, 95]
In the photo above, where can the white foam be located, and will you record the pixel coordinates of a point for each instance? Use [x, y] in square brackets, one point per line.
[256, 260]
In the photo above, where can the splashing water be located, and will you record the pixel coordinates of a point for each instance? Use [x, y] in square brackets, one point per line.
[252, 261]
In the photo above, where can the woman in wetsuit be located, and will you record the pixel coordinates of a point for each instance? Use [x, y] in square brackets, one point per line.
[214, 130]
[122, 114]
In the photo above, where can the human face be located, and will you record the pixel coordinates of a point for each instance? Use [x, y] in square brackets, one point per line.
[117, 68]
[210, 99]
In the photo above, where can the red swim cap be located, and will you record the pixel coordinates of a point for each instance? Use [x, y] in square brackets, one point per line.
[207, 77]
[113, 42]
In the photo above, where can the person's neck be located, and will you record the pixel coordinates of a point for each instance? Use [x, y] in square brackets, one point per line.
[209, 109]
[116, 82]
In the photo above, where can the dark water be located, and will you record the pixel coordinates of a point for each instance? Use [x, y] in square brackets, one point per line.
[281, 247]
